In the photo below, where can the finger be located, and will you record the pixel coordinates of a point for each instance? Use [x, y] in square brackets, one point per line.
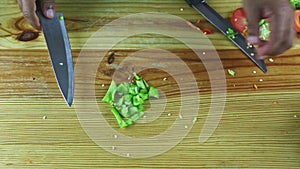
[253, 17]
[48, 8]
[20, 4]
[29, 8]
[281, 37]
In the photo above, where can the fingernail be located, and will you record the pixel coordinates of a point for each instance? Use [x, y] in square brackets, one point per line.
[50, 13]
[253, 39]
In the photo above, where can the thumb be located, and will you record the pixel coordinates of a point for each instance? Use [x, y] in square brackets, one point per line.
[48, 8]
[253, 17]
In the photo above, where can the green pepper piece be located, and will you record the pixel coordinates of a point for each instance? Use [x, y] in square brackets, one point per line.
[119, 102]
[264, 30]
[109, 96]
[140, 108]
[124, 111]
[144, 91]
[136, 116]
[231, 72]
[230, 33]
[146, 84]
[123, 88]
[118, 117]
[144, 96]
[133, 89]
[295, 4]
[153, 92]
[136, 76]
[60, 18]
[128, 123]
[137, 100]
[132, 110]
[127, 99]
[140, 84]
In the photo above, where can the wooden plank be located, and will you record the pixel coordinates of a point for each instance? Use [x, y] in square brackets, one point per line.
[260, 128]
[83, 19]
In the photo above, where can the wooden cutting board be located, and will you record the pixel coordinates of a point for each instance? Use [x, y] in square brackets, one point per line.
[259, 128]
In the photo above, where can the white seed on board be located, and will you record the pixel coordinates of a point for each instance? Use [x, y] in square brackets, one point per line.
[186, 126]
[115, 136]
[61, 63]
[169, 114]
[195, 119]
[180, 116]
[254, 72]
[181, 9]
[44, 117]
[164, 79]
[261, 80]
[271, 60]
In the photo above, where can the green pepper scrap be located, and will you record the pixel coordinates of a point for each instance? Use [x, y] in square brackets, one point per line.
[60, 18]
[295, 4]
[127, 99]
[230, 33]
[231, 72]
[264, 30]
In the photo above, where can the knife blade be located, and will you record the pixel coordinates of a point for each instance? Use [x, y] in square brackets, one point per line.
[224, 26]
[59, 49]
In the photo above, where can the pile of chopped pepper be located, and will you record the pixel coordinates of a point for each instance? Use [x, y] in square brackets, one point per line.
[127, 99]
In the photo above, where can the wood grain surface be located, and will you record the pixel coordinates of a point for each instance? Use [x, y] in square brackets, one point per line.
[260, 127]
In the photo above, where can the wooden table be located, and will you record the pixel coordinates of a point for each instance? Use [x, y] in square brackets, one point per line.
[260, 128]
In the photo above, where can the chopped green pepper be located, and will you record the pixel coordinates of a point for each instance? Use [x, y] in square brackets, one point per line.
[231, 72]
[153, 92]
[136, 116]
[140, 108]
[109, 96]
[295, 4]
[264, 30]
[119, 119]
[140, 84]
[137, 100]
[144, 96]
[60, 18]
[122, 88]
[137, 77]
[127, 99]
[230, 33]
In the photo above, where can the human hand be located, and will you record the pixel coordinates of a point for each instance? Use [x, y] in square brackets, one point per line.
[28, 8]
[280, 15]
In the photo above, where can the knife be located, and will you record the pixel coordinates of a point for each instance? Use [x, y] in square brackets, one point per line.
[59, 49]
[227, 29]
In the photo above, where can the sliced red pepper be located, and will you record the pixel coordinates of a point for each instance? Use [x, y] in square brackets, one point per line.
[206, 31]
